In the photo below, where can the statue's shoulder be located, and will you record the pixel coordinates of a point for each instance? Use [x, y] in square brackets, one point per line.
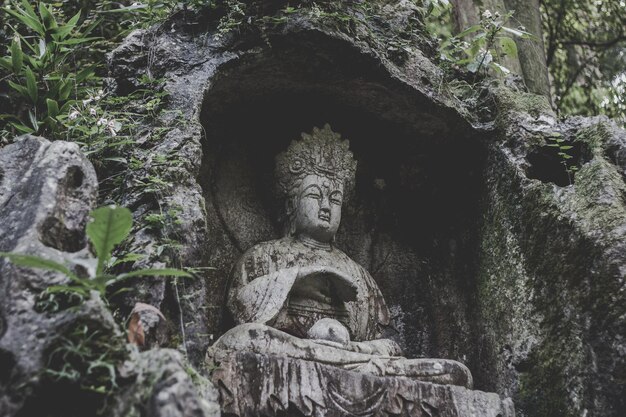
[267, 248]
[260, 259]
[347, 260]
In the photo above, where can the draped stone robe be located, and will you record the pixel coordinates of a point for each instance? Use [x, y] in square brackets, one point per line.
[263, 289]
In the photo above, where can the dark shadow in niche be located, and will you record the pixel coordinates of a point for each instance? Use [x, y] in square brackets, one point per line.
[74, 177]
[413, 219]
[547, 165]
[415, 194]
[617, 155]
[53, 231]
[7, 364]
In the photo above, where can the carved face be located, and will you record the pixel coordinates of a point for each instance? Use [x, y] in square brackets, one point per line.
[318, 208]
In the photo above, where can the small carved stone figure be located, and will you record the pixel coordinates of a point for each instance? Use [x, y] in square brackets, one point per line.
[300, 297]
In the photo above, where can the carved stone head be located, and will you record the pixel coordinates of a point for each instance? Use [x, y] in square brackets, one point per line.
[315, 175]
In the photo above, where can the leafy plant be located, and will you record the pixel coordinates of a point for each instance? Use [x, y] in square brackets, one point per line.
[482, 46]
[233, 19]
[110, 225]
[563, 148]
[88, 357]
[42, 75]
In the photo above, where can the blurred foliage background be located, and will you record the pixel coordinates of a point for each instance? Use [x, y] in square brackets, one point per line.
[52, 54]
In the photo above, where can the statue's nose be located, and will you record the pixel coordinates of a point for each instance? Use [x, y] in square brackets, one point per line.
[325, 204]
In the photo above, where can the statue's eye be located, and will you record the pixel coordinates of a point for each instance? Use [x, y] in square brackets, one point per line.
[335, 198]
[314, 194]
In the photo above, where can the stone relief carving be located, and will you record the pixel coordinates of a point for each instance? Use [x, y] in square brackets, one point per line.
[301, 298]
[254, 385]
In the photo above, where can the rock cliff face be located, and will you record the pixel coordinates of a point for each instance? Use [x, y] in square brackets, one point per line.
[489, 248]
[57, 358]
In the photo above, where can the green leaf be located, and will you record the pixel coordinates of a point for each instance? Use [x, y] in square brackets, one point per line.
[47, 17]
[165, 272]
[76, 41]
[33, 120]
[31, 84]
[53, 107]
[508, 46]
[29, 45]
[61, 32]
[21, 128]
[501, 68]
[28, 9]
[65, 89]
[66, 107]
[83, 291]
[6, 63]
[85, 73]
[519, 33]
[34, 63]
[469, 30]
[31, 22]
[17, 57]
[126, 9]
[129, 257]
[96, 23]
[19, 88]
[110, 226]
[116, 159]
[37, 262]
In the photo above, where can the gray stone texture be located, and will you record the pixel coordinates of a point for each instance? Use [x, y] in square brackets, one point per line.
[252, 384]
[46, 192]
[485, 249]
[164, 386]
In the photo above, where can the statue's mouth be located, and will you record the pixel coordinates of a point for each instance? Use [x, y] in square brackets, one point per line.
[324, 216]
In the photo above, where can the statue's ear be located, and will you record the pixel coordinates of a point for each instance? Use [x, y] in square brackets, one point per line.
[290, 206]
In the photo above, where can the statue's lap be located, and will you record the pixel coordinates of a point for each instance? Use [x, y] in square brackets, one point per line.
[253, 384]
[262, 339]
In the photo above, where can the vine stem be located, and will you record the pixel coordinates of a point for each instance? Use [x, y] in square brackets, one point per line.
[180, 316]
[490, 40]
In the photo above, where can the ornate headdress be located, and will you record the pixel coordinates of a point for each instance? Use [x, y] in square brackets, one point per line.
[322, 152]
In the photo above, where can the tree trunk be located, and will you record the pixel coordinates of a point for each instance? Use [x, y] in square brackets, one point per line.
[532, 54]
[468, 13]
[465, 14]
[531, 60]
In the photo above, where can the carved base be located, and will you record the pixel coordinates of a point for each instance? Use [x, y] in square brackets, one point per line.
[253, 385]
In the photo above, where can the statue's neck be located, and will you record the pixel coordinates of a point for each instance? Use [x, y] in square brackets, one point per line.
[313, 243]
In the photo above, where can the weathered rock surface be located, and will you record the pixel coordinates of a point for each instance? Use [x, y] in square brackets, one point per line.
[163, 387]
[46, 192]
[552, 266]
[487, 249]
[253, 385]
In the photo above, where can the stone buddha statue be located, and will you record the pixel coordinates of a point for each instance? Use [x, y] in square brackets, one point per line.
[301, 297]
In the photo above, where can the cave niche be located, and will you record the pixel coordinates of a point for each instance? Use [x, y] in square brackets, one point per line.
[412, 219]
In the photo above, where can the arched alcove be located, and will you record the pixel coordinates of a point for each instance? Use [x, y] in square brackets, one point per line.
[412, 219]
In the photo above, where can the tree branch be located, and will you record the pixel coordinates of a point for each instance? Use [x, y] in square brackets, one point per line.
[595, 44]
[552, 45]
